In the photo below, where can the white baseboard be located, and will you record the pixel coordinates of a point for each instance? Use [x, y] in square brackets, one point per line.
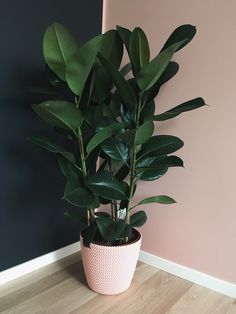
[189, 274]
[192, 275]
[38, 262]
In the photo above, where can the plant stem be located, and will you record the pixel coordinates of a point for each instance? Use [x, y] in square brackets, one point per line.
[132, 181]
[90, 212]
[132, 164]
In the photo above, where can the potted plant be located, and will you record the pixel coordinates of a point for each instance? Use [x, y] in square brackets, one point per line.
[108, 114]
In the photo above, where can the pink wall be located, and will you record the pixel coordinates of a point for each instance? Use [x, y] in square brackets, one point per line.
[200, 230]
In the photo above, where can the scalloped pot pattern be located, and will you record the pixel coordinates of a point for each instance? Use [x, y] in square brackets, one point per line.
[109, 269]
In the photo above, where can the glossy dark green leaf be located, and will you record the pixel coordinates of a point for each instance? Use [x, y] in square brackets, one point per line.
[58, 47]
[80, 65]
[126, 115]
[92, 160]
[144, 171]
[150, 73]
[160, 145]
[139, 49]
[88, 89]
[148, 111]
[88, 235]
[75, 192]
[144, 162]
[128, 137]
[169, 161]
[110, 230]
[51, 147]
[59, 113]
[95, 204]
[138, 136]
[124, 34]
[78, 195]
[182, 32]
[144, 132]
[112, 50]
[153, 174]
[116, 149]
[104, 201]
[102, 135]
[121, 84]
[174, 112]
[71, 171]
[161, 199]
[138, 219]
[115, 103]
[123, 172]
[170, 71]
[112, 47]
[126, 69]
[107, 186]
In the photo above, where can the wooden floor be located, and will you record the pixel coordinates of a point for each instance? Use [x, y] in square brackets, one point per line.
[60, 288]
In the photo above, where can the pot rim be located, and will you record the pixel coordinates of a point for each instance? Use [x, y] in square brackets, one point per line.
[138, 233]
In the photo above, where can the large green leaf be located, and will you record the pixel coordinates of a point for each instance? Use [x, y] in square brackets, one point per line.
[144, 132]
[78, 196]
[80, 65]
[169, 161]
[75, 193]
[161, 199]
[153, 174]
[121, 84]
[59, 113]
[138, 219]
[51, 147]
[102, 135]
[150, 73]
[160, 145]
[126, 69]
[70, 171]
[186, 106]
[123, 172]
[112, 50]
[148, 111]
[138, 136]
[139, 49]
[170, 71]
[88, 234]
[111, 230]
[182, 32]
[107, 186]
[58, 47]
[116, 149]
[145, 172]
[112, 47]
[128, 137]
[124, 34]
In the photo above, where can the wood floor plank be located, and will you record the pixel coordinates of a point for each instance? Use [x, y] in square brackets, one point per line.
[61, 288]
[202, 300]
[29, 291]
[34, 276]
[108, 304]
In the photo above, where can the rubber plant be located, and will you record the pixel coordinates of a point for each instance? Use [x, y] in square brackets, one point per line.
[108, 113]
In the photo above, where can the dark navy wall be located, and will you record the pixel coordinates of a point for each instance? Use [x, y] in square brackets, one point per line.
[31, 211]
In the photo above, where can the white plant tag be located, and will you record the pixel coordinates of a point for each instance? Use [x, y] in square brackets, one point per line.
[121, 213]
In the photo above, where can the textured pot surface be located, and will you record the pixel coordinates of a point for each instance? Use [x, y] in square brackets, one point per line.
[110, 269]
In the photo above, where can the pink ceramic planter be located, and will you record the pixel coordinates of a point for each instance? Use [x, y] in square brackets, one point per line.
[109, 269]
